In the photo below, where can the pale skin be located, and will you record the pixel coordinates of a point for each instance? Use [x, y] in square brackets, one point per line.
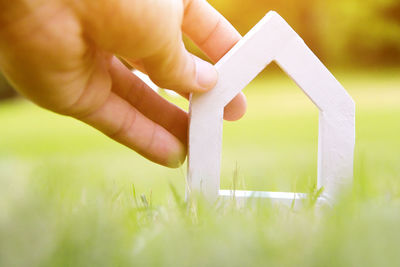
[62, 55]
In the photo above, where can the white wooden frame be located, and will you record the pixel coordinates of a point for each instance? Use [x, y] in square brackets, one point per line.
[272, 39]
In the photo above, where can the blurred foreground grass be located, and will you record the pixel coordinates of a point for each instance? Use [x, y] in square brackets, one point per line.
[71, 197]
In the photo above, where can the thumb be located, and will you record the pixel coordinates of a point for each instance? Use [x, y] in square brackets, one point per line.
[173, 67]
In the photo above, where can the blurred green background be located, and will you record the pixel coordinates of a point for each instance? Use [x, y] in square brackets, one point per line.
[357, 33]
[69, 196]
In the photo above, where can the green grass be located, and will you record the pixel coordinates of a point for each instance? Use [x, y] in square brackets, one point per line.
[71, 197]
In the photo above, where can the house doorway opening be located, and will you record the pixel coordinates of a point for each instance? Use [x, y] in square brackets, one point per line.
[274, 147]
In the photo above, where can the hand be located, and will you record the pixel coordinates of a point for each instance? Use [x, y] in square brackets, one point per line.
[61, 55]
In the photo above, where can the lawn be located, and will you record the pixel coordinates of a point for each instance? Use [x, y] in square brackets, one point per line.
[69, 196]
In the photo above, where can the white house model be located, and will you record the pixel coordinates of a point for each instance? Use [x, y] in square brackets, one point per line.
[272, 39]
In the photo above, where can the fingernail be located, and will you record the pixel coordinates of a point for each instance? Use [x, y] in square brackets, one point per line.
[206, 74]
[177, 156]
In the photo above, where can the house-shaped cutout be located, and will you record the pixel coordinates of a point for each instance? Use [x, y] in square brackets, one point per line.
[272, 39]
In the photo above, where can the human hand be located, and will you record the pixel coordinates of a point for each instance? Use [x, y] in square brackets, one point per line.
[61, 55]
